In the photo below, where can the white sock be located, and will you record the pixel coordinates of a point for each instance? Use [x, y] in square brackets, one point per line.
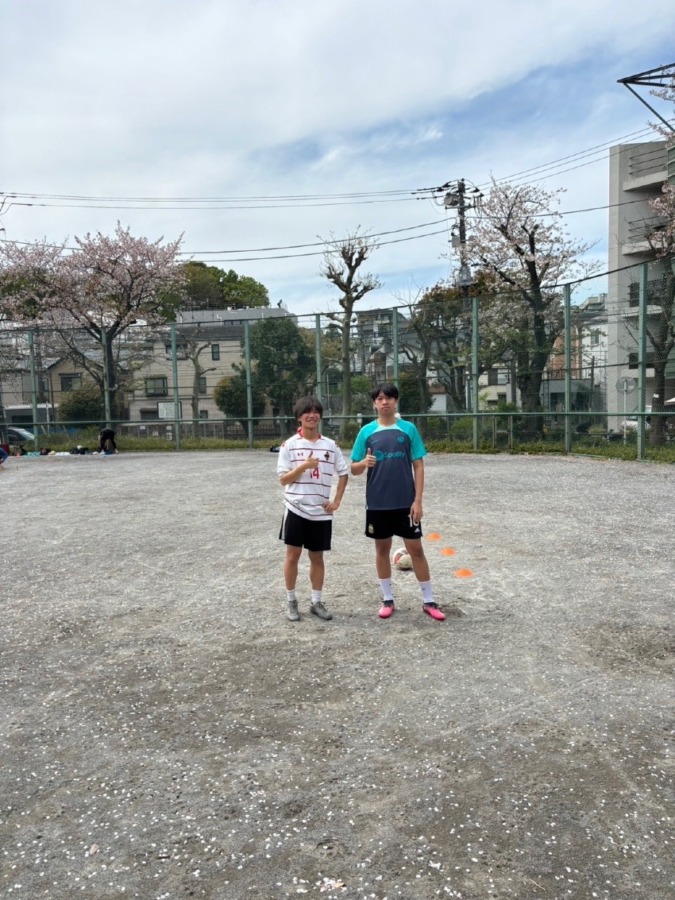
[386, 588]
[290, 596]
[427, 592]
[316, 597]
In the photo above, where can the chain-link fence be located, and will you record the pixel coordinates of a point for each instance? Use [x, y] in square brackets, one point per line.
[583, 365]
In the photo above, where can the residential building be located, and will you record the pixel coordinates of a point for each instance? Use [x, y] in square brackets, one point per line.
[637, 173]
[208, 344]
[589, 359]
[373, 343]
[208, 347]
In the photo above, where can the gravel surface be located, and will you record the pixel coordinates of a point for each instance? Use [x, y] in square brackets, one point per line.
[165, 732]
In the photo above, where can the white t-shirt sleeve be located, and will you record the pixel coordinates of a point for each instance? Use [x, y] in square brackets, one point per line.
[340, 463]
[284, 462]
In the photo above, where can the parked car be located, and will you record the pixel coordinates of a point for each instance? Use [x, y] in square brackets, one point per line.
[16, 435]
[631, 424]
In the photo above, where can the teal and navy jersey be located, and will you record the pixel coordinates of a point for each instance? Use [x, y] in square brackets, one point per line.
[390, 483]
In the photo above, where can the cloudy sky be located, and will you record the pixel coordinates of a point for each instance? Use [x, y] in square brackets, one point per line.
[259, 128]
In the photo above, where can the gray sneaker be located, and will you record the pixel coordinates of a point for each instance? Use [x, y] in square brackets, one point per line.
[318, 609]
[292, 613]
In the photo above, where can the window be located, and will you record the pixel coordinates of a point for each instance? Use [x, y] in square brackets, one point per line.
[202, 384]
[70, 382]
[595, 337]
[203, 413]
[149, 415]
[156, 387]
[655, 293]
[181, 351]
[498, 376]
[633, 360]
[215, 351]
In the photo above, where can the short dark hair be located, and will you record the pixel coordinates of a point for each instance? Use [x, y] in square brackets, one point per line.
[388, 389]
[307, 404]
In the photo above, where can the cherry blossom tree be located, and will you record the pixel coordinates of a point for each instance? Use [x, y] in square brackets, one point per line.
[32, 279]
[440, 318]
[520, 241]
[661, 327]
[101, 287]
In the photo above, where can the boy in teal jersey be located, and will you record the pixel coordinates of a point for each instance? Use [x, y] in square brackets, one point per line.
[391, 451]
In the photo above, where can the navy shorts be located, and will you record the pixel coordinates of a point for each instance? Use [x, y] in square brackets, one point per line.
[385, 523]
[308, 533]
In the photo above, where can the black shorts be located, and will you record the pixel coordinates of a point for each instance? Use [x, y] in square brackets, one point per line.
[308, 533]
[385, 523]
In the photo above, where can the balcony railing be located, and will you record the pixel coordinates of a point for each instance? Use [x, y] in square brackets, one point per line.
[647, 161]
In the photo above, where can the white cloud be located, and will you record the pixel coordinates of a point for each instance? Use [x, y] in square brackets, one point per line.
[224, 99]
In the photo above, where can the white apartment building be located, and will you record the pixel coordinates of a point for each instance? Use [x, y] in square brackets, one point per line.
[636, 175]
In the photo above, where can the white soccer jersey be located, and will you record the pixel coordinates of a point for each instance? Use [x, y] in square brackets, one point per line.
[306, 496]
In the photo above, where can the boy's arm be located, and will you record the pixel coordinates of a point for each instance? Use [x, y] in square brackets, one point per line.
[333, 504]
[358, 468]
[293, 474]
[416, 511]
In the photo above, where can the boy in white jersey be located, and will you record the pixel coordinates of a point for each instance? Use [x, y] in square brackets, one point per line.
[307, 462]
[392, 452]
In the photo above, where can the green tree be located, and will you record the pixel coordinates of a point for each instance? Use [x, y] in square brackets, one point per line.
[331, 370]
[361, 387]
[208, 287]
[284, 364]
[414, 396]
[231, 398]
[84, 404]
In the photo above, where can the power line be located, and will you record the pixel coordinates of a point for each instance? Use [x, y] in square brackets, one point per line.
[314, 244]
[574, 156]
[264, 201]
[231, 258]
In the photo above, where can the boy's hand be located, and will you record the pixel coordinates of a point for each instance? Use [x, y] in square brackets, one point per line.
[416, 512]
[369, 460]
[310, 463]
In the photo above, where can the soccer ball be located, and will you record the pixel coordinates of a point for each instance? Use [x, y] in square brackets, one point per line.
[401, 559]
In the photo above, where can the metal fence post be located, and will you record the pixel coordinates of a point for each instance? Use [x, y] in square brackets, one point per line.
[33, 385]
[319, 362]
[249, 384]
[642, 357]
[474, 368]
[567, 292]
[176, 393]
[106, 379]
[394, 342]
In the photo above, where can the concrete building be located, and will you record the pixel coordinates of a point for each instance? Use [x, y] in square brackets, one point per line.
[208, 343]
[637, 173]
[589, 358]
[208, 346]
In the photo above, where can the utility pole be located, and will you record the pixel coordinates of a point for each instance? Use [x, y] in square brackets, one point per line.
[455, 197]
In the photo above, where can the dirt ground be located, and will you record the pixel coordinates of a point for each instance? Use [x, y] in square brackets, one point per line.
[166, 733]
